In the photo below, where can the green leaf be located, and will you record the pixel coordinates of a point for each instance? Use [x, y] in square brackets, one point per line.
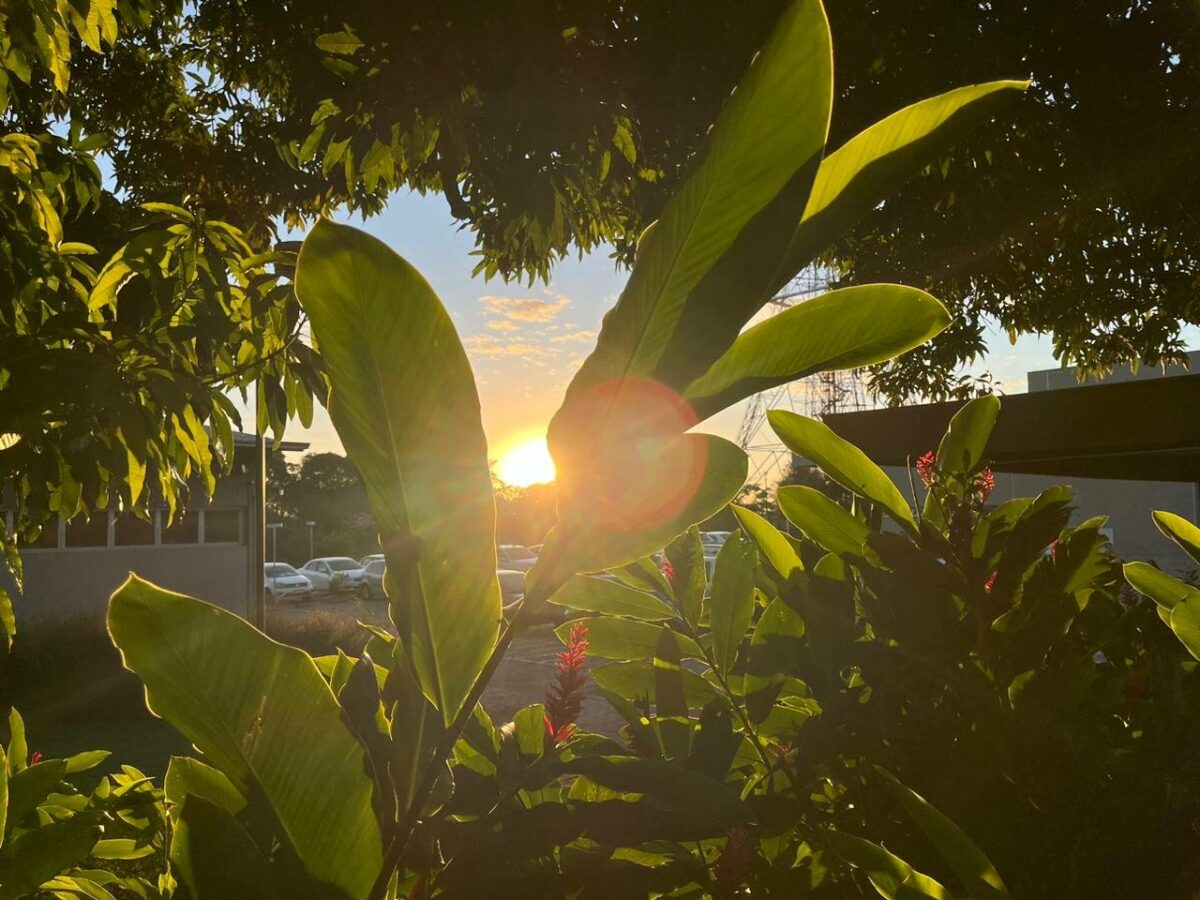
[823, 521]
[186, 776]
[1180, 530]
[772, 546]
[672, 487]
[624, 639]
[635, 680]
[770, 133]
[405, 407]
[39, 854]
[715, 743]
[877, 162]
[30, 787]
[732, 603]
[215, 857]
[8, 620]
[601, 595]
[961, 449]
[842, 462]
[1163, 589]
[343, 43]
[844, 329]
[1185, 622]
[690, 579]
[249, 704]
[679, 787]
[18, 750]
[670, 703]
[3, 795]
[891, 876]
[775, 645]
[973, 869]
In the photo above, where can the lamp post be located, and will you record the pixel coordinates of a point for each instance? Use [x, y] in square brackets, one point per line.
[310, 538]
[274, 526]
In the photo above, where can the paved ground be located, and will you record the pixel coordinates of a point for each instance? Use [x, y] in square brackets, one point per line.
[522, 678]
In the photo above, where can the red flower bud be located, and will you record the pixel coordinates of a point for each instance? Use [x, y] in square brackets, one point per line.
[565, 698]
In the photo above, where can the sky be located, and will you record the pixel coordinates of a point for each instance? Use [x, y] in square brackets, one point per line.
[525, 342]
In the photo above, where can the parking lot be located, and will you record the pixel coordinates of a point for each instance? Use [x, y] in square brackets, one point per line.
[522, 678]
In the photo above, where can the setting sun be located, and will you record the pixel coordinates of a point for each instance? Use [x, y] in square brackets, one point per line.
[526, 463]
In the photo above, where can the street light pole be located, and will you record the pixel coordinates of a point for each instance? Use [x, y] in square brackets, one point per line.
[310, 538]
[275, 526]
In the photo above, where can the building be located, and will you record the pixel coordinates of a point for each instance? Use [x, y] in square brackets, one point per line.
[208, 552]
[1128, 444]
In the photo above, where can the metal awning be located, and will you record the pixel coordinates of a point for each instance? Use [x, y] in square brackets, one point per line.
[1136, 430]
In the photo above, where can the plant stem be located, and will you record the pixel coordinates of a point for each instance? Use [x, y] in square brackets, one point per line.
[403, 835]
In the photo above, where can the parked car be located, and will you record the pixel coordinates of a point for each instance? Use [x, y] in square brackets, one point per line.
[512, 585]
[372, 581]
[515, 557]
[713, 541]
[283, 581]
[370, 558]
[334, 574]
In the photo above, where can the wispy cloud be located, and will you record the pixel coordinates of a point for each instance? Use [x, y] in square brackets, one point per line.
[574, 337]
[525, 309]
[491, 345]
[502, 325]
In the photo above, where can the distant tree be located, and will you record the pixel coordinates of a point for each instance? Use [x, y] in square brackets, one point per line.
[323, 488]
[524, 515]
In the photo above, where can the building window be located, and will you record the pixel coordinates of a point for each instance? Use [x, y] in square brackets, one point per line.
[222, 526]
[134, 532]
[184, 530]
[88, 532]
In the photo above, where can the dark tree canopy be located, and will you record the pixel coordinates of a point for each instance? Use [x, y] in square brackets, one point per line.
[553, 126]
[550, 127]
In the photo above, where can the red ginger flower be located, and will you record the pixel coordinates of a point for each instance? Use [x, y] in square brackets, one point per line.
[927, 469]
[985, 483]
[668, 570]
[35, 758]
[564, 698]
[1054, 550]
[990, 583]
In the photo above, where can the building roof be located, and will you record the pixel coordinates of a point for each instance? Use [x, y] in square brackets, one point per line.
[1142, 430]
[242, 439]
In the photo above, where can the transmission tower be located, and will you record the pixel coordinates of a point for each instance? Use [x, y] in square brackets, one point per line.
[816, 396]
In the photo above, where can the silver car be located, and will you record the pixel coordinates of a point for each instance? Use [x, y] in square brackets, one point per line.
[514, 557]
[334, 574]
[282, 581]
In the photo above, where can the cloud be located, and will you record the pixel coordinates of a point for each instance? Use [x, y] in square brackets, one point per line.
[574, 337]
[525, 309]
[490, 345]
[502, 325]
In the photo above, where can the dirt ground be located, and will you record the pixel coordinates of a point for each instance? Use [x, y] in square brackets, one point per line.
[523, 677]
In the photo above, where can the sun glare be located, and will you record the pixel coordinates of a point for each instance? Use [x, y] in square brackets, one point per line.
[526, 463]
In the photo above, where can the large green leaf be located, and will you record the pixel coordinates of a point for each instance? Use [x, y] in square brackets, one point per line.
[215, 857]
[689, 580]
[766, 143]
[1165, 590]
[772, 546]
[731, 606]
[891, 876]
[635, 681]
[823, 521]
[962, 447]
[39, 854]
[973, 869]
[844, 329]
[624, 639]
[842, 462]
[262, 714]
[667, 488]
[405, 407]
[1185, 622]
[1180, 530]
[585, 593]
[673, 784]
[878, 161]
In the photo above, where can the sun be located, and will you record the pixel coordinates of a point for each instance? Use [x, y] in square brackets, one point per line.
[526, 463]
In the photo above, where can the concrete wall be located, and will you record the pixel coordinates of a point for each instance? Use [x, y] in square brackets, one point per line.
[1127, 504]
[64, 584]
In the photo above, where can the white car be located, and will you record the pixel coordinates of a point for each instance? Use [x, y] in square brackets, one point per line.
[334, 574]
[713, 541]
[283, 581]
